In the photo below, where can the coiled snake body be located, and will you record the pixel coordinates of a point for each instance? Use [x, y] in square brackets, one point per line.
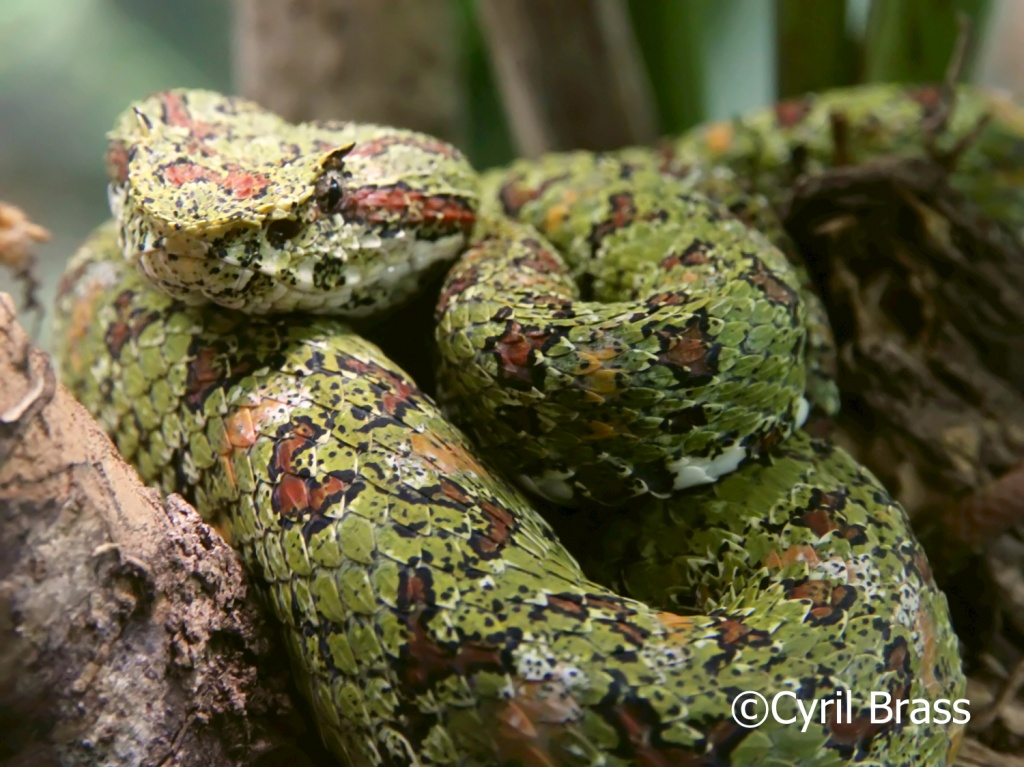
[610, 334]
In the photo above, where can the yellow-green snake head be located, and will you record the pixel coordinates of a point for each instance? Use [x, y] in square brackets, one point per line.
[222, 201]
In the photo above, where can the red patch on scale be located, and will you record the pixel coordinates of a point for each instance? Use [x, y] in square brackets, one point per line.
[204, 374]
[174, 110]
[776, 291]
[501, 522]
[116, 162]
[623, 212]
[639, 727]
[242, 184]
[828, 602]
[401, 206]
[379, 146]
[792, 111]
[513, 349]
[689, 350]
[539, 259]
[130, 323]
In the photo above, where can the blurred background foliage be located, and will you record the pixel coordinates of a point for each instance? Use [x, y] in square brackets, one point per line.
[67, 67]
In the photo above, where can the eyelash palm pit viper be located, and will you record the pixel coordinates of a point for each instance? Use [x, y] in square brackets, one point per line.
[612, 331]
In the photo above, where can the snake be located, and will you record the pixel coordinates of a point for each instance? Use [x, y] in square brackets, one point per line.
[625, 334]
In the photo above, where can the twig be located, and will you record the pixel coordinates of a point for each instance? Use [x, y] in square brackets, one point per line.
[1007, 693]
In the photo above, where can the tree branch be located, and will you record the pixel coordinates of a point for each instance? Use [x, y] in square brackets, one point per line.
[127, 633]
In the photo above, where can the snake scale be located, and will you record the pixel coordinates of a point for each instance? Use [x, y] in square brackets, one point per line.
[620, 330]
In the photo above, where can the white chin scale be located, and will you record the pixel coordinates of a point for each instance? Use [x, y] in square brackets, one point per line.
[690, 472]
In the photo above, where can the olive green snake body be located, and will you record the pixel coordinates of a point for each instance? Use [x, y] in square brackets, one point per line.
[609, 334]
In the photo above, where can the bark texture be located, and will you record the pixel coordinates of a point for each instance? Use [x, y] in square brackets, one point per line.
[926, 298]
[127, 633]
[387, 61]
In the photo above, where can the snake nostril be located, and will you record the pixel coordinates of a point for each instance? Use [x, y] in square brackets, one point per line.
[282, 230]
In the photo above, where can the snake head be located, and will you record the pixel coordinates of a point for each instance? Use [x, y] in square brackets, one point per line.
[220, 200]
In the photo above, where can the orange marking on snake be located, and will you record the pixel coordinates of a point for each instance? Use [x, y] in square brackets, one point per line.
[532, 722]
[689, 350]
[240, 428]
[792, 555]
[449, 458]
[291, 496]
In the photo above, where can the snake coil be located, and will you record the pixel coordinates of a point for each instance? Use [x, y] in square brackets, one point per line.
[621, 330]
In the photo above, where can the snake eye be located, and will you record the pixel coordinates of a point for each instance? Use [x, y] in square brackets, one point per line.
[329, 192]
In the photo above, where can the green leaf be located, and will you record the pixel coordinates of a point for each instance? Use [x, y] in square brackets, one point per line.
[814, 48]
[914, 40]
[670, 34]
[488, 141]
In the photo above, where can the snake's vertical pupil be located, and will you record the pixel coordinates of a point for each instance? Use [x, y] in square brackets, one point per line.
[329, 193]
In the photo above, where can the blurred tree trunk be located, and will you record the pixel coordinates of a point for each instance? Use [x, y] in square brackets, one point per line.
[1003, 63]
[672, 41]
[386, 61]
[570, 73]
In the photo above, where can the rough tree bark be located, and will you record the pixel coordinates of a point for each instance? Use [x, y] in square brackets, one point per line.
[927, 300]
[127, 633]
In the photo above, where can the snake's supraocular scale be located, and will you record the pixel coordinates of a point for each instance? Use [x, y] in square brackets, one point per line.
[430, 611]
